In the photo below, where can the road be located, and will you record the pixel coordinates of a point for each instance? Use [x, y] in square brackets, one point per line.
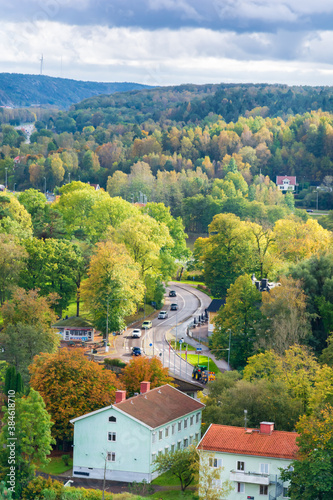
[153, 341]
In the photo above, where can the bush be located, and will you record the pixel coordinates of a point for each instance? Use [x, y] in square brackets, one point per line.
[35, 488]
[65, 459]
[114, 362]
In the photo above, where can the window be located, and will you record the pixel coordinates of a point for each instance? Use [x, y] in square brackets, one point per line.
[197, 437]
[191, 420]
[285, 492]
[264, 468]
[111, 456]
[172, 447]
[173, 429]
[191, 439]
[179, 445]
[112, 419]
[160, 453]
[197, 417]
[240, 465]
[185, 423]
[160, 435]
[263, 489]
[240, 488]
[215, 462]
[154, 437]
[167, 432]
[179, 426]
[112, 436]
[185, 443]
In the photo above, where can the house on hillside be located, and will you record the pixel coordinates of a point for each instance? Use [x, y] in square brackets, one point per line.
[264, 285]
[286, 182]
[212, 311]
[75, 328]
[251, 459]
[120, 442]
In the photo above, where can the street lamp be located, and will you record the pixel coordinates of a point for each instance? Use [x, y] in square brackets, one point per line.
[6, 177]
[45, 186]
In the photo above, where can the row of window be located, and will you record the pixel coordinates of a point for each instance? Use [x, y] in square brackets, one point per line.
[240, 466]
[172, 428]
[263, 489]
[177, 446]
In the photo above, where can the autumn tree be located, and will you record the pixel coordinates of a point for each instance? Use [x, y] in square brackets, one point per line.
[142, 368]
[113, 287]
[71, 386]
[14, 218]
[209, 477]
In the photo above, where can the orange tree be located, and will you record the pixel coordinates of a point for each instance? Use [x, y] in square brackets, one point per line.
[71, 386]
[142, 368]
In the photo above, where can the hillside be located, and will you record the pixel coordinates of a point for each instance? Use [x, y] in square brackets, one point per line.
[18, 90]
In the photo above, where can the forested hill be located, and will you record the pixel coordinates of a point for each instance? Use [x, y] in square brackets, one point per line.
[19, 90]
[193, 103]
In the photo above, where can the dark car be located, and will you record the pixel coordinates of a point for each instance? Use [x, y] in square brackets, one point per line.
[136, 351]
[174, 307]
[172, 293]
[309, 210]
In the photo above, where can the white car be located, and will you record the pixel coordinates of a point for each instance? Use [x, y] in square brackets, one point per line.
[136, 333]
[162, 315]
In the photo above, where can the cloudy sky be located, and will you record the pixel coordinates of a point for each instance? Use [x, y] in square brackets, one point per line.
[162, 42]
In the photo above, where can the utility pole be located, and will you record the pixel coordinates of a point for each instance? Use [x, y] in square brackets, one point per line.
[229, 350]
[6, 176]
[41, 64]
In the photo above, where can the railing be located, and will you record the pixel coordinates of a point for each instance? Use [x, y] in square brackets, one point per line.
[250, 477]
[278, 488]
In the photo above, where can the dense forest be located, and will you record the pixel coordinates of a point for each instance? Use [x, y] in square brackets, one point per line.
[18, 90]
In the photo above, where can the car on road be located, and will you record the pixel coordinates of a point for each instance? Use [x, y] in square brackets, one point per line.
[162, 315]
[136, 333]
[146, 325]
[172, 293]
[309, 210]
[174, 307]
[136, 351]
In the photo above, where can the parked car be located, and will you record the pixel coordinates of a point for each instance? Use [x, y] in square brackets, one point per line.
[136, 351]
[172, 293]
[136, 333]
[309, 210]
[174, 307]
[162, 315]
[146, 325]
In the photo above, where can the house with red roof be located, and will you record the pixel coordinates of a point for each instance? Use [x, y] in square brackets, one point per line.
[120, 442]
[250, 459]
[286, 182]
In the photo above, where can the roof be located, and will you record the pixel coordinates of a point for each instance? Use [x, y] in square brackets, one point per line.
[185, 385]
[237, 440]
[280, 178]
[215, 305]
[73, 321]
[159, 406]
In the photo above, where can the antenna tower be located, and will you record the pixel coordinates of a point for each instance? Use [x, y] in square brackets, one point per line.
[41, 64]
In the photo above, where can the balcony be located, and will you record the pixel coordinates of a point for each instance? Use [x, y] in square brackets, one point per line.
[249, 477]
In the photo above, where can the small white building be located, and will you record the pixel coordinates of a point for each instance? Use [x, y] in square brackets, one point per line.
[250, 459]
[75, 328]
[286, 182]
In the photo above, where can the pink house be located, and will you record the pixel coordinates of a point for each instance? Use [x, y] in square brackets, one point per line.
[286, 182]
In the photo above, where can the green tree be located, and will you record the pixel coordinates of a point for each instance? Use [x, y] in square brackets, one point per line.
[32, 200]
[11, 264]
[239, 316]
[33, 438]
[22, 342]
[183, 464]
[227, 253]
[14, 218]
[113, 287]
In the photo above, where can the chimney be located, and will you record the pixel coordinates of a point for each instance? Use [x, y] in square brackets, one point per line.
[266, 428]
[144, 387]
[120, 396]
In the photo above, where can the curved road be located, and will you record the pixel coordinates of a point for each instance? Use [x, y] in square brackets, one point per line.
[191, 302]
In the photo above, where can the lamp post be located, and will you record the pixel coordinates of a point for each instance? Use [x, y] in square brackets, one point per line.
[6, 176]
[229, 350]
[45, 186]
[69, 177]
[14, 186]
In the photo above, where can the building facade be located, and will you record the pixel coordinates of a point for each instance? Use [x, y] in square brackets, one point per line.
[250, 459]
[286, 182]
[75, 329]
[120, 442]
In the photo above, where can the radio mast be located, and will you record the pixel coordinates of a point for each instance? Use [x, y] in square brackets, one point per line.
[41, 65]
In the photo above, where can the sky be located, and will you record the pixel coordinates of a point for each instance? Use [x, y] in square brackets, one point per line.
[169, 42]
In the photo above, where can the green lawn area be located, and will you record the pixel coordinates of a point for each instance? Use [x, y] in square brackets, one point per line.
[203, 360]
[56, 466]
[193, 283]
[189, 347]
[166, 479]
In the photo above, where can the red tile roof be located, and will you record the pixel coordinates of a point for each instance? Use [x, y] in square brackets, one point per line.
[228, 439]
[279, 179]
[159, 406]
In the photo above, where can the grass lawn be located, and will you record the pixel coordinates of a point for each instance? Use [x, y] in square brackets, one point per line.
[189, 347]
[193, 282]
[175, 495]
[56, 466]
[203, 360]
[166, 479]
